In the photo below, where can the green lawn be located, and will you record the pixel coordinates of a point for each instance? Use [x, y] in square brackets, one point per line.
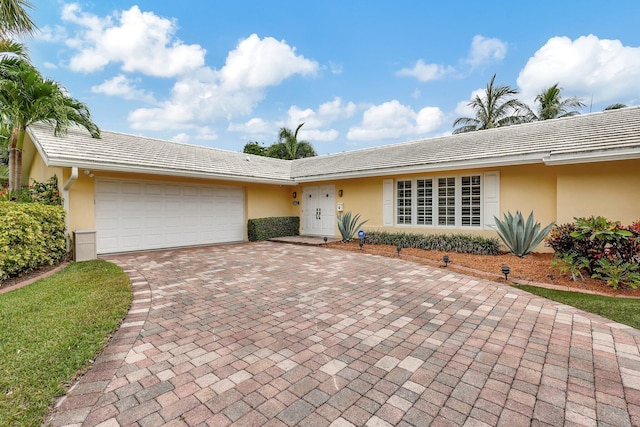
[50, 330]
[621, 310]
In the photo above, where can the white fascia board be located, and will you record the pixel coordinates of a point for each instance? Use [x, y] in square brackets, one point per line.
[97, 166]
[591, 157]
[439, 167]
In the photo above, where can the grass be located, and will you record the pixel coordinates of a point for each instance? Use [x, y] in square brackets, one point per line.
[621, 310]
[50, 330]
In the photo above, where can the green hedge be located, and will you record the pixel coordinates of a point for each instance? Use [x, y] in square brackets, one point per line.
[461, 243]
[268, 228]
[31, 235]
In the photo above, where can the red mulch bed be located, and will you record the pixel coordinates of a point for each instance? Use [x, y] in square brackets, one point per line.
[535, 268]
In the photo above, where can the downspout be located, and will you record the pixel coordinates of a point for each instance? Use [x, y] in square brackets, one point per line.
[65, 197]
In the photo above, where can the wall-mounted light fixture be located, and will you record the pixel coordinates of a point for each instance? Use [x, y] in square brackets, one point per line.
[88, 173]
[295, 194]
[340, 193]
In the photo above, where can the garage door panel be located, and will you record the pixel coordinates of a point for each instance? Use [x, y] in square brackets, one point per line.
[138, 215]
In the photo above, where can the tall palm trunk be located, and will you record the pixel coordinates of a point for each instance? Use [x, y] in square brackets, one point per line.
[15, 161]
[12, 168]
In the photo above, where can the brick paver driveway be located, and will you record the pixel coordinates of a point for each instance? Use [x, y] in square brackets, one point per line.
[274, 334]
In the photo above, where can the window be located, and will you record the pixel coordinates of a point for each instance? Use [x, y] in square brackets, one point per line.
[425, 202]
[403, 199]
[440, 201]
[470, 202]
[446, 201]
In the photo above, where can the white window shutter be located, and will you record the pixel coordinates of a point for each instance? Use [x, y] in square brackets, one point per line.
[387, 202]
[491, 196]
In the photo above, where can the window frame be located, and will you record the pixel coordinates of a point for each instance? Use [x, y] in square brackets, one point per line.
[476, 222]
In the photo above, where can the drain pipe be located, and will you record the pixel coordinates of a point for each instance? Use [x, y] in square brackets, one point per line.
[65, 197]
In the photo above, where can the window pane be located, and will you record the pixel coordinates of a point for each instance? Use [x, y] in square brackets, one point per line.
[425, 202]
[470, 210]
[403, 202]
[446, 201]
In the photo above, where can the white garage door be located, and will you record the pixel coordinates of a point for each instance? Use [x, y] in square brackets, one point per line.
[137, 215]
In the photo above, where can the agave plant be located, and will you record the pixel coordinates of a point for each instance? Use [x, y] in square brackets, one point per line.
[519, 236]
[348, 225]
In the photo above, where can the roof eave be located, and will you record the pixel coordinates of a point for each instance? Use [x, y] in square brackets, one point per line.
[592, 157]
[439, 167]
[96, 166]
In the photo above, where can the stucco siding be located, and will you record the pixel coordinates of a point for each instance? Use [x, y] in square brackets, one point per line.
[609, 189]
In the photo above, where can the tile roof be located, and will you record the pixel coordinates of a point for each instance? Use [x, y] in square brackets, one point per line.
[568, 140]
[606, 135]
[132, 153]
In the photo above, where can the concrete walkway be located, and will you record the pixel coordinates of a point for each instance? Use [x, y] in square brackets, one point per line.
[269, 334]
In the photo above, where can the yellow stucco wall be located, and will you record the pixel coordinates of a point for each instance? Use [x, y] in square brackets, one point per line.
[609, 189]
[553, 193]
[529, 188]
[39, 171]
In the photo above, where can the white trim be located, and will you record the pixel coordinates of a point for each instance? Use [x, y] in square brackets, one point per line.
[96, 166]
[439, 167]
[436, 203]
[591, 157]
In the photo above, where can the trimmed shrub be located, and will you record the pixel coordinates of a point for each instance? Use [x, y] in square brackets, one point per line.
[31, 235]
[268, 228]
[460, 243]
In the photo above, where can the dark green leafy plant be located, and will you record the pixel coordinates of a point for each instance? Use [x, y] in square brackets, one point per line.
[31, 235]
[45, 192]
[573, 263]
[268, 228]
[459, 243]
[617, 272]
[348, 225]
[599, 229]
[519, 236]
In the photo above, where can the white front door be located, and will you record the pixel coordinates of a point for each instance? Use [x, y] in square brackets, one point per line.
[318, 210]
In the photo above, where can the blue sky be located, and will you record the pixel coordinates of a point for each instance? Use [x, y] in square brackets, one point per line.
[358, 73]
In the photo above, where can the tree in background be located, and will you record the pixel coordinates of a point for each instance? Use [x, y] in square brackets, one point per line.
[288, 147]
[27, 98]
[551, 105]
[254, 147]
[498, 107]
[14, 19]
[615, 106]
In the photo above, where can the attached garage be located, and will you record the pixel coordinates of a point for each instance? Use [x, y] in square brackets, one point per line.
[133, 215]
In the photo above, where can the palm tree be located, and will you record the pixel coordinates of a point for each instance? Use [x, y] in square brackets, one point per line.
[552, 106]
[615, 106]
[14, 19]
[288, 147]
[498, 107]
[26, 98]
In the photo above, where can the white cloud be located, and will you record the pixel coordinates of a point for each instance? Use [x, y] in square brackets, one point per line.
[336, 68]
[463, 109]
[485, 49]
[206, 94]
[181, 137]
[141, 41]
[254, 126]
[587, 66]
[51, 34]
[425, 72]
[257, 63]
[123, 87]
[315, 122]
[392, 120]
[50, 65]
